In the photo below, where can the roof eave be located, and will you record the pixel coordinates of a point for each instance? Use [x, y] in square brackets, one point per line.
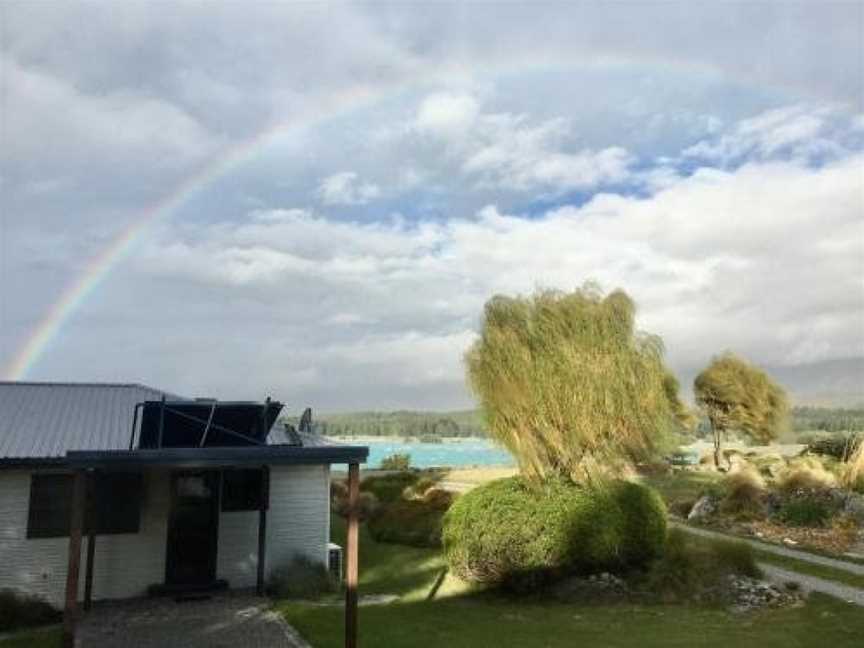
[217, 456]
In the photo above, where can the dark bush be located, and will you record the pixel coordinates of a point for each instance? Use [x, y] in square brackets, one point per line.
[507, 533]
[302, 579]
[389, 488]
[338, 490]
[24, 611]
[396, 461]
[691, 567]
[367, 506]
[839, 445]
[411, 522]
[804, 512]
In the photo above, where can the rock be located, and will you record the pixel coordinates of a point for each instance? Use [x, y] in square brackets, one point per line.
[704, 507]
[789, 541]
[854, 507]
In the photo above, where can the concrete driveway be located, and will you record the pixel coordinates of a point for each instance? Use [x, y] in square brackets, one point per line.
[233, 619]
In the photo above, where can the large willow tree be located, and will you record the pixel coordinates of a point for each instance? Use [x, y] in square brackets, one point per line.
[569, 386]
[738, 396]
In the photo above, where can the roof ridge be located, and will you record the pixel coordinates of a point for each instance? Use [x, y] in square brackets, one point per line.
[70, 383]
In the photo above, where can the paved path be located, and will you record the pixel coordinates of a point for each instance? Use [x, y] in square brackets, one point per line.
[813, 584]
[805, 556]
[235, 620]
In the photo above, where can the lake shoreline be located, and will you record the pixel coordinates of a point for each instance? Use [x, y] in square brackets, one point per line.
[450, 452]
[363, 439]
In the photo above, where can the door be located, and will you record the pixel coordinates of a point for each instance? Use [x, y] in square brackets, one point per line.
[193, 529]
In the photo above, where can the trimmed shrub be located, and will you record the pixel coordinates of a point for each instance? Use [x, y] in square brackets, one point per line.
[644, 518]
[506, 533]
[805, 512]
[397, 461]
[806, 474]
[301, 579]
[19, 610]
[389, 488]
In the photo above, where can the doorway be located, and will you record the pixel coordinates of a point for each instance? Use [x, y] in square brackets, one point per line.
[193, 529]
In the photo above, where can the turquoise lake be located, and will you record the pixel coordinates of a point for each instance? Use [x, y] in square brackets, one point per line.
[467, 452]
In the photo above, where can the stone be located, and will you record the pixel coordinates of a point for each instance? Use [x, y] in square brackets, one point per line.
[704, 507]
[854, 507]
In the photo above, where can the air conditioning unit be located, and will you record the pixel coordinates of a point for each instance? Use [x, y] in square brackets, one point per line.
[335, 562]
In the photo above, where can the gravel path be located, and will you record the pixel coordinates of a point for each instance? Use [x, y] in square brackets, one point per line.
[852, 568]
[813, 584]
[227, 620]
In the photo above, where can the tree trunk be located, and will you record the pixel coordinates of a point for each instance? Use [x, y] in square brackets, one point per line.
[718, 445]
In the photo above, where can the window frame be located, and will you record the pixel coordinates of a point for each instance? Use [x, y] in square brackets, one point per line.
[103, 499]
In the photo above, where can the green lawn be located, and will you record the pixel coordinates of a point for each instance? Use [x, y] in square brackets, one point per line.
[682, 485]
[458, 618]
[49, 638]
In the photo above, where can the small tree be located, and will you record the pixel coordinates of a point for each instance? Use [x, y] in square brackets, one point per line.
[738, 396]
[569, 386]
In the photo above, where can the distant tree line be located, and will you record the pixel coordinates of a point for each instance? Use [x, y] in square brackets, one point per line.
[827, 419]
[469, 423]
[408, 424]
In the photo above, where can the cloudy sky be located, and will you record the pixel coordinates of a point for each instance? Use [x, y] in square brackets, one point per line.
[313, 201]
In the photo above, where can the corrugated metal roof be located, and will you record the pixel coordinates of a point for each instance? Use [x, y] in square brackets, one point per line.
[45, 420]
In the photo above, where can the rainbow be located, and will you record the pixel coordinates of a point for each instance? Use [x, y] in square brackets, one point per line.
[99, 268]
[339, 105]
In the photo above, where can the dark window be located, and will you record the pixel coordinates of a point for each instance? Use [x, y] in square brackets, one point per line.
[242, 490]
[113, 504]
[50, 514]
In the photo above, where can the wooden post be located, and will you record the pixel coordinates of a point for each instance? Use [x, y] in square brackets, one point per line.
[262, 528]
[70, 613]
[351, 558]
[88, 575]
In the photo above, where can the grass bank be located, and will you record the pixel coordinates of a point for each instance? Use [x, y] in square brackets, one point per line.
[460, 618]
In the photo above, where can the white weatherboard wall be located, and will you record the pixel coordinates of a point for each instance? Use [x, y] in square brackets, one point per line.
[298, 522]
[124, 565]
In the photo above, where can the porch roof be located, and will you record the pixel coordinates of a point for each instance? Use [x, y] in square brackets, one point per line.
[217, 456]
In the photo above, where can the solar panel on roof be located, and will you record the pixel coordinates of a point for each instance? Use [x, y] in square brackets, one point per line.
[192, 424]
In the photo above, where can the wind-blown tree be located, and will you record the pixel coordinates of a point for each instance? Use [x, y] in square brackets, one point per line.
[569, 386]
[738, 396]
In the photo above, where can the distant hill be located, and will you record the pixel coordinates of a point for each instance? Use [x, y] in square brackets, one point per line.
[833, 383]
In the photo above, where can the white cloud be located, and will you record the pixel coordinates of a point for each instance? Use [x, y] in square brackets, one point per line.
[512, 152]
[447, 114]
[764, 259]
[797, 131]
[345, 188]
